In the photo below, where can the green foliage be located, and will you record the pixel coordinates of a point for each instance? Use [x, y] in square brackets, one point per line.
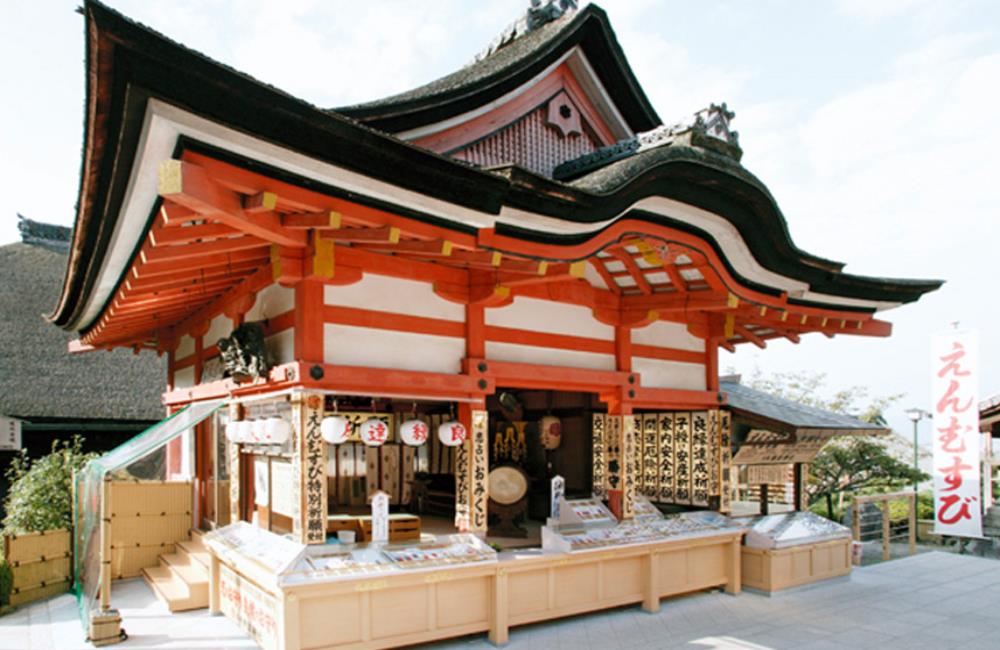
[925, 505]
[848, 464]
[6, 582]
[41, 491]
[853, 464]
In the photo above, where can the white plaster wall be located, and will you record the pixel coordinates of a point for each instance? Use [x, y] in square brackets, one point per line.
[184, 378]
[591, 275]
[220, 327]
[281, 346]
[383, 293]
[665, 334]
[656, 373]
[360, 346]
[547, 316]
[549, 356]
[185, 347]
[271, 301]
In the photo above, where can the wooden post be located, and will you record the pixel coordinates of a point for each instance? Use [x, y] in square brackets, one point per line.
[735, 583]
[214, 604]
[886, 531]
[763, 499]
[499, 625]
[651, 586]
[289, 627]
[856, 528]
[106, 543]
[235, 507]
[912, 501]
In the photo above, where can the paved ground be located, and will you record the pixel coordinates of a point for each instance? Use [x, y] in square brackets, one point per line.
[932, 600]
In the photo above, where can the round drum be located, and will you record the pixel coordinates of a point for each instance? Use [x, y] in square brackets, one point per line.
[508, 484]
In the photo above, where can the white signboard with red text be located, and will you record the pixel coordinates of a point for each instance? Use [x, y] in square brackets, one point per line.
[955, 399]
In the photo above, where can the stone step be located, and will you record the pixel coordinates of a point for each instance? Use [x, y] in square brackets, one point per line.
[172, 590]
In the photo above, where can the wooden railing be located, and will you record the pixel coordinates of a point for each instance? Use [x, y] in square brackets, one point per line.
[884, 500]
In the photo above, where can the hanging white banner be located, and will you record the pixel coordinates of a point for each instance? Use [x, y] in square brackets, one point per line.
[955, 398]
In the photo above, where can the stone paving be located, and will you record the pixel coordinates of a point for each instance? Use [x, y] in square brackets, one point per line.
[931, 600]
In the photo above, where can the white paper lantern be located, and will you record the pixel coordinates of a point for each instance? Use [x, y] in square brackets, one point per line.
[414, 432]
[452, 433]
[550, 429]
[374, 432]
[233, 431]
[335, 429]
[257, 431]
[245, 429]
[277, 430]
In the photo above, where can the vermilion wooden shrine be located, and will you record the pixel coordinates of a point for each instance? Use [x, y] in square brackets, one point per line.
[526, 224]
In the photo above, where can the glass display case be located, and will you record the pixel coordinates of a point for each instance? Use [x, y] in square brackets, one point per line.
[792, 529]
[242, 540]
[568, 538]
[349, 561]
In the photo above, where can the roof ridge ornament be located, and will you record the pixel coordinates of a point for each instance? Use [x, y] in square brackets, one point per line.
[708, 128]
[46, 235]
[539, 14]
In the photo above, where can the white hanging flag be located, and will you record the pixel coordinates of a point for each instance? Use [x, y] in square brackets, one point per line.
[955, 398]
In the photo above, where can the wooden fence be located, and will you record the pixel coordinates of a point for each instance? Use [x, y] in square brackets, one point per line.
[147, 519]
[886, 533]
[41, 563]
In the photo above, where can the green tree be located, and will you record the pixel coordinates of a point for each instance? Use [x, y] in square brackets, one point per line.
[41, 491]
[849, 463]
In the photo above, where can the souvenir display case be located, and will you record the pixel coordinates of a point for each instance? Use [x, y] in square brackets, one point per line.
[283, 592]
[793, 549]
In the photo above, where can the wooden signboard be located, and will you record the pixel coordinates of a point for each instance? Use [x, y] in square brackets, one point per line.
[380, 517]
[726, 460]
[764, 447]
[667, 478]
[629, 461]
[479, 468]
[700, 464]
[682, 458]
[253, 610]
[768, 474]
[600, 458]
[309, 468]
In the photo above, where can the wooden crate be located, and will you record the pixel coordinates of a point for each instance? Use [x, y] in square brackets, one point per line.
[773, 570]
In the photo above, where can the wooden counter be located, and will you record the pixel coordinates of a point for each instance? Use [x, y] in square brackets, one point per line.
[770, 570]
[418, 606]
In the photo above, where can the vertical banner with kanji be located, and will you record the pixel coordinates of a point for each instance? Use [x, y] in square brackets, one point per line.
[479, 488]
[309, 466]
[955, 399]
[463, 486]
[599, 470]
[630, 465]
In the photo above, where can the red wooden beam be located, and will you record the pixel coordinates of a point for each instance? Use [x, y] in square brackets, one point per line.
[190, 186]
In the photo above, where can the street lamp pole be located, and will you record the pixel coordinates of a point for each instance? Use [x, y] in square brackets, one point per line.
[915, 416]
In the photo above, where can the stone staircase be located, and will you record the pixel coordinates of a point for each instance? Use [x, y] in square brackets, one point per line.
[181, 579]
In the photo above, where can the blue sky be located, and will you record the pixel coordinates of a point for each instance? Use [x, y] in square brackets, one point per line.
[870, 120]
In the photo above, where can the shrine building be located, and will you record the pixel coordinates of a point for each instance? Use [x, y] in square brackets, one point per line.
[491, 307]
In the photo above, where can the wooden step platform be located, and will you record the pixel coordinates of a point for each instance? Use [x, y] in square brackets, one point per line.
[181, 579]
